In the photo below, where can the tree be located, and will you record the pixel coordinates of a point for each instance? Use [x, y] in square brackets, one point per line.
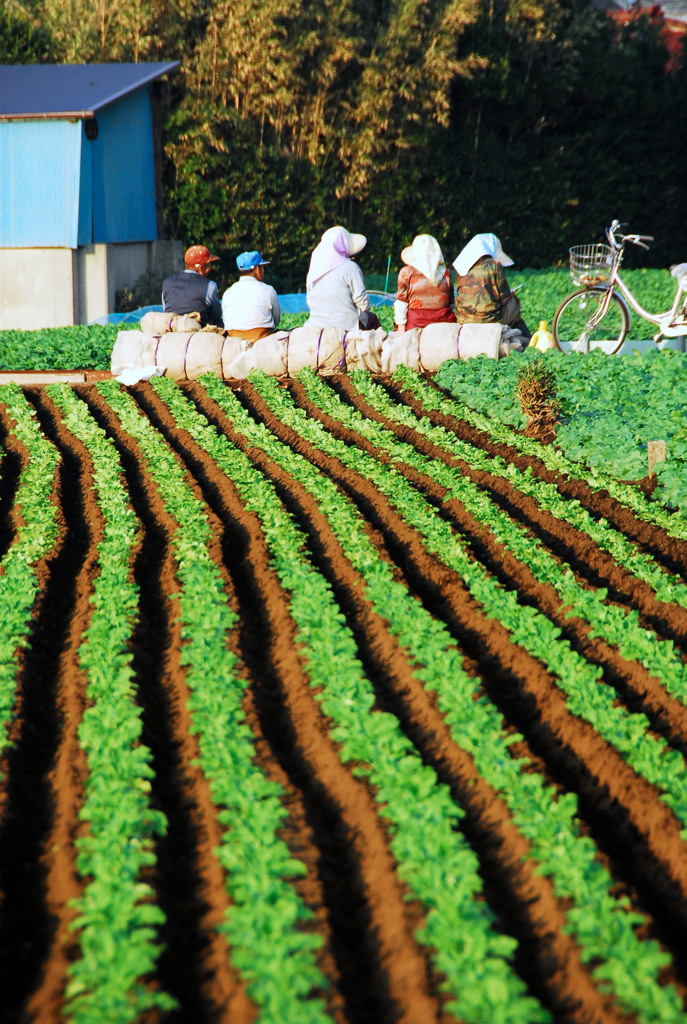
[21, 41]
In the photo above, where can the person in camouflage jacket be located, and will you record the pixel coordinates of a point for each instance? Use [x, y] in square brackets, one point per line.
[483, 294]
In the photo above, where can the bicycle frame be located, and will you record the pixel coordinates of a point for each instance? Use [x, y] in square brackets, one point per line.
[671, 324]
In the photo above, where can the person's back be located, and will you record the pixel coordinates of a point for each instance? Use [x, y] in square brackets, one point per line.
[190, 292]
[332, 298]
[425, 291]
[250, 307]
[335, 286]
[483, 294]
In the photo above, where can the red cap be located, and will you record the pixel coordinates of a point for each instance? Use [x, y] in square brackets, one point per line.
[198, 256]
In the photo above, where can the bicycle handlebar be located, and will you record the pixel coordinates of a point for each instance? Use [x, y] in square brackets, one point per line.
[617, 243]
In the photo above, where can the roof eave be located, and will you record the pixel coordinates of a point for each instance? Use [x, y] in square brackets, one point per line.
[66, 115]
[165, 70]
[62, 115]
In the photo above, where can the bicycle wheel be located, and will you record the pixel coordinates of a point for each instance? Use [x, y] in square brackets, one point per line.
[571, 318]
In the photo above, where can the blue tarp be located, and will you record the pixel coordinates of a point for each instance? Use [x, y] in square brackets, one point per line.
[291, 303]
[125, 318]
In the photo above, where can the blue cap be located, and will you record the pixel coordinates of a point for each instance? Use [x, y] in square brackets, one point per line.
[250, 260]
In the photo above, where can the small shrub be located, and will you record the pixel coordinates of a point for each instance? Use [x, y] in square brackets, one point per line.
[537, 393]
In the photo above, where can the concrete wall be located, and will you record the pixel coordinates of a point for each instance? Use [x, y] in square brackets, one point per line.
[59, 287]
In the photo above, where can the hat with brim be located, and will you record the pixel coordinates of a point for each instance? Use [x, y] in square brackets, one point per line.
[198, 256]
[426, 256]
[356, 243]
[486, 244]
[250, 260]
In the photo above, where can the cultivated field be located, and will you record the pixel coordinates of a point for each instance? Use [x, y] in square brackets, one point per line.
[332, 701]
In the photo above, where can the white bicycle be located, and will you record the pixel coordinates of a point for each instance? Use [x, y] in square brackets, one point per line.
[597, 315]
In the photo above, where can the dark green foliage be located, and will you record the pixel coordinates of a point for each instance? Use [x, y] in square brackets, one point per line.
[611, 407]
[538, 120]
[22, 42]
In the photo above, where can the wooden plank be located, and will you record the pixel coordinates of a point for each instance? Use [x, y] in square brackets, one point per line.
[23, 377]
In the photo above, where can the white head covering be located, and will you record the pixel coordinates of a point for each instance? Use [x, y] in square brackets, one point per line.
[426, 256]
[334, 248]
[478, 246]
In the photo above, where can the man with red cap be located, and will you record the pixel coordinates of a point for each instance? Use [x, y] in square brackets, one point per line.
[190, 292]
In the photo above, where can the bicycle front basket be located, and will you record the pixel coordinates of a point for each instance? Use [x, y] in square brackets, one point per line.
[592, 264]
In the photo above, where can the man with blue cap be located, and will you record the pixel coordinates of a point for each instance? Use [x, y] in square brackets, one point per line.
[250, 308]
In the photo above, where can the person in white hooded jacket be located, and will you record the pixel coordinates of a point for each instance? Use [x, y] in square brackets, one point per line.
[335, 286]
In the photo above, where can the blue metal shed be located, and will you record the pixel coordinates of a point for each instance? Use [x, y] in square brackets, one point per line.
[77, 154]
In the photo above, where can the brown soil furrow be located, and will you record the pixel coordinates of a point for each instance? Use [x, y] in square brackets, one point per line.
[637, 687]
[296, 832]
[548, 958]
[47, 765]
[668, 551]
[383, 973]
[12, 461]
[569, 544]
[195, 966]
[623, 806]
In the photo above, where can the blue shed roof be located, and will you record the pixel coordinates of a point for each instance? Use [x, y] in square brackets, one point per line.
[70, 90]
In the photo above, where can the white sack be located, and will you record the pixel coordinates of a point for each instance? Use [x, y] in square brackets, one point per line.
[182, 356]
[364, 350]
[160, 323]
[133, 350]
[480, 340]
[326, 350]
[428, 347]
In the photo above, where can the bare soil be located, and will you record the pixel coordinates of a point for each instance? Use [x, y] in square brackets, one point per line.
[376, 968]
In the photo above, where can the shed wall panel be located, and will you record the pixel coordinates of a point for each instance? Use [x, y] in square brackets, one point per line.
[123, 172]
[86, 191]
[39, 183]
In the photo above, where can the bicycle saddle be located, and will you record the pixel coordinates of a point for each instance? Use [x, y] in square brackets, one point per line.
[680, 272]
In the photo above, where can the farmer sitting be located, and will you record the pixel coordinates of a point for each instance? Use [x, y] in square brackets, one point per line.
[483, 294]
[425, 291]
[250, 307]
[335, 286]
[190, 292]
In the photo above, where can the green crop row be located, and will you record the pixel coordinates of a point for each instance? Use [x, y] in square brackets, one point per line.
[116, 917]
[618, 626]
[599, 921]
[34, 540]
[433, 859]
[611, 408]
[586, 694]
[552, 458]
[264, 924]
[668, 587]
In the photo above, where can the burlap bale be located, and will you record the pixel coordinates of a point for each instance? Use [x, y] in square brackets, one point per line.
[512, 340]
[478, 340]
[265, 354]
[364, 350]
[160, 323]
[133, 350]
[287, 352]
[326, 350]
[427, 348]
[183, 356]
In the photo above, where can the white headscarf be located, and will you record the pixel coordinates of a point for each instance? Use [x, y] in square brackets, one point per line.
[426, 256]
[335, 247]
[478, 246]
